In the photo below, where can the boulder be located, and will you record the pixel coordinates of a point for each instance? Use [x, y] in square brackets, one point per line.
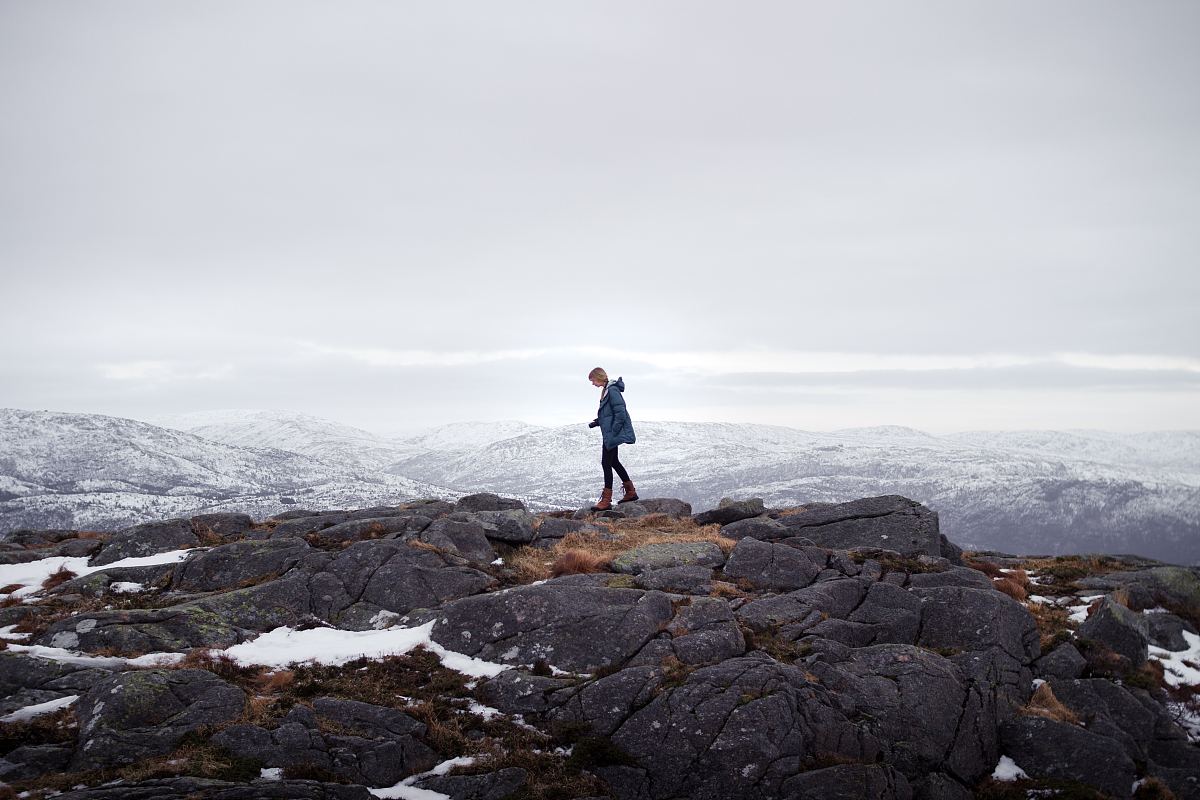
[760, 527]
[1045, 748]
[516, 691]
[1166, 631]
[147, 540]
[224, 524]
[890, 522]
[668, 554]
[487, 786]
[467, 538]
[357, 530]
[145, 713]
[667, 505]
[193, 788]
[1109, 710]
[237, 564]
[850, 782]
[356, 741]
[485, 501]
[964, 618]
[551, 529]
[681, 580]
[514, 526]
[730, 511]
[771, 566]
[556, 622]
[30, 761]
[1123, 631]
[138, 631]
[740, 728]
[1064, 661]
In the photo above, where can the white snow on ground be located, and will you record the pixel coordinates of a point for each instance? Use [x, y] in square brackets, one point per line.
[10, 632]
[404, 790]
[29, 712]
[32, 574]
[1180, 668]
[1079, 612]
[271, 773]
[487, 712]
[1007, 770]
[82, 659]
[284, 646]
[127, 587]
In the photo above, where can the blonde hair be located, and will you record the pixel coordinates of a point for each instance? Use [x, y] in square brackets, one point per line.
[598, 374]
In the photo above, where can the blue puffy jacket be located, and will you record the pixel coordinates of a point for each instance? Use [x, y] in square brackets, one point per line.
[613, 418]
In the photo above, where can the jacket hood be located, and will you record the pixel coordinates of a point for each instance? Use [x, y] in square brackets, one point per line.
[619, 383]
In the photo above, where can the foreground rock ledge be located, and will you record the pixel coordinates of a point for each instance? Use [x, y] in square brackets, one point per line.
[831, 650]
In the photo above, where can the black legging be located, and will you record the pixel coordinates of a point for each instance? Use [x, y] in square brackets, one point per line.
[608, 460]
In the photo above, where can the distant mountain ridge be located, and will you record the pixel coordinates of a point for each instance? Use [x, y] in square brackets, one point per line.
[95, 471]
[1023, 491]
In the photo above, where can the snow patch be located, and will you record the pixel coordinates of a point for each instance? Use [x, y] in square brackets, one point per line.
[1007, 770]
[29, 712]
[331, 646]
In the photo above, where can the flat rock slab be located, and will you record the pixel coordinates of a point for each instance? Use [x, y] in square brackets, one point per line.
[144, 713]
[192, 788]
[771, 566]
[1121, 630]
[1046, 748]
[889, 522]
[730, 511]
[177, 629]
[668, 554]
[229, 566]
[576, 628]
[147, 540]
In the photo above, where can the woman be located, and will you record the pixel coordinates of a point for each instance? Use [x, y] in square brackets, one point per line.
[617, 428]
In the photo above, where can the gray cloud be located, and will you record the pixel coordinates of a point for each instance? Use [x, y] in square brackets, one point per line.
[197, 188]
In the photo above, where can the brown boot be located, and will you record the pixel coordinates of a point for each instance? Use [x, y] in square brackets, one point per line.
[605, 501]
[630, 493]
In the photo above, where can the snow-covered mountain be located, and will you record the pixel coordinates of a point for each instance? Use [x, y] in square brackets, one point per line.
[1023, 492]
[322, 439]
[100, 472]
[1135, 493]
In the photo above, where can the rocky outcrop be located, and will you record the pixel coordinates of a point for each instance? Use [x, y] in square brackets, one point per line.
[838, 651]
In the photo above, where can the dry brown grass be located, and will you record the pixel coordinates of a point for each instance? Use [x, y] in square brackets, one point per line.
[58, 577]
[986, 567]
[616, 537]
[1053, 623]
[1153, 789]
[1011, 587]
[577, 562]
[1043, 703]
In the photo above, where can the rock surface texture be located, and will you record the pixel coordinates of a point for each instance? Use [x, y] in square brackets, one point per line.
[827, 651]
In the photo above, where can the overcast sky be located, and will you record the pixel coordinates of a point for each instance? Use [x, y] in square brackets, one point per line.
[951, 215]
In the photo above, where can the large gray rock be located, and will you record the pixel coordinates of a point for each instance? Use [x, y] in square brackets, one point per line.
[237, 564]
[771, 566]
[962, 618]
[370, 584]
[1166, 631]
[1045, 748]
[467, 538]
[740, 728]
[1121, 630]
[704, 631]
[488, 786]
[193, 788]
[667, 505]
[356, 741]
[760, 527]
[146, 540]
[513, 526]
[144, 713]
[227, 525]
[730, 511]
[576, 628]
[890, 522]
[668, 554]
[21, 672]
[357, 530]
[1064, 661]
[850, 782]
[485, 501]
[138, 631]
[1111, 710]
